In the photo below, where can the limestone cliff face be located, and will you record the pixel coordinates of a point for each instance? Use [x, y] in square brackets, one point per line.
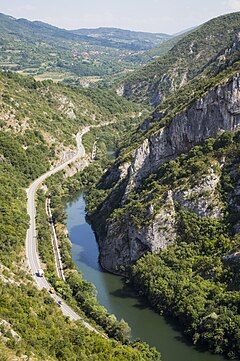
[153, 94]
[121, 241]
[203, 198]
[218, 111]
[125, 241]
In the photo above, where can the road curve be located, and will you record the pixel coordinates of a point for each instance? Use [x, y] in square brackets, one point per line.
[31, 237]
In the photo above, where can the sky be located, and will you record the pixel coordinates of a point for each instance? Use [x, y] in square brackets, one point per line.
[167, 16]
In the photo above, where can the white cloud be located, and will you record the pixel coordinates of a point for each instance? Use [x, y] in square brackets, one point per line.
[233, 5]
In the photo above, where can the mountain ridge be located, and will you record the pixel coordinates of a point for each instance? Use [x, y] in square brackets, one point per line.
[115, 34]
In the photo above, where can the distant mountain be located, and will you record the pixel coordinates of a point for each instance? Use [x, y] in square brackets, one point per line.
[45, 51]
[24, 29]
[125, 38]
[201, 51]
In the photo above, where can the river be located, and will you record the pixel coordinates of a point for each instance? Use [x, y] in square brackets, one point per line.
[120, 300]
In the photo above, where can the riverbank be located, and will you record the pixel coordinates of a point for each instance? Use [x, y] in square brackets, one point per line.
[120, 299]
[144, 331]
[76, 291]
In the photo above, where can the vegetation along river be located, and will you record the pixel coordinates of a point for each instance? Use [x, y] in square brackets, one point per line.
[120, 300]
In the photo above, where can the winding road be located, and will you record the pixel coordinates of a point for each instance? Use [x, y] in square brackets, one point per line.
[31, 238]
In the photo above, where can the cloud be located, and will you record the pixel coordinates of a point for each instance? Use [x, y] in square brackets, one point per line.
[233, 5]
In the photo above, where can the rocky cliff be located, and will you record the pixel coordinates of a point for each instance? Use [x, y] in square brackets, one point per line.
[122, 239]
[218, 111]
[202, 52]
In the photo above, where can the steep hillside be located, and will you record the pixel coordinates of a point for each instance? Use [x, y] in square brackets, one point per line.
[38, 125]
[159, 50]
[38, 122]
[176, 132]
[197, 54]
[175, 189]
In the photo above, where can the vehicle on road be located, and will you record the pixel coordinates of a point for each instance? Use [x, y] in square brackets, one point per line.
[51, 290]
[59, 302]
[40, 272]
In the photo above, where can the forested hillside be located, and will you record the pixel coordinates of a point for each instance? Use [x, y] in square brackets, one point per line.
[38, 123]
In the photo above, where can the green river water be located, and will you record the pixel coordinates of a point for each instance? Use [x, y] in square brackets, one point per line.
[120, 300]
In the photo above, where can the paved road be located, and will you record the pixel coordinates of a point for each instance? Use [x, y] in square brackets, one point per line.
[31, 238]
[55, 245]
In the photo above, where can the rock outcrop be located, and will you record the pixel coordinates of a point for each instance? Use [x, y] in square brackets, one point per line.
[203, 52]
[218, 111]
[121, 242]
[202, 199]
[125, 241]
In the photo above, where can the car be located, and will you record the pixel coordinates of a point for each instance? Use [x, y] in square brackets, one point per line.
[40, 272]
[51, 290]
[59, 303]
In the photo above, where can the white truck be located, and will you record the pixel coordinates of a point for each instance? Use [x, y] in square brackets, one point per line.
[40, 272]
